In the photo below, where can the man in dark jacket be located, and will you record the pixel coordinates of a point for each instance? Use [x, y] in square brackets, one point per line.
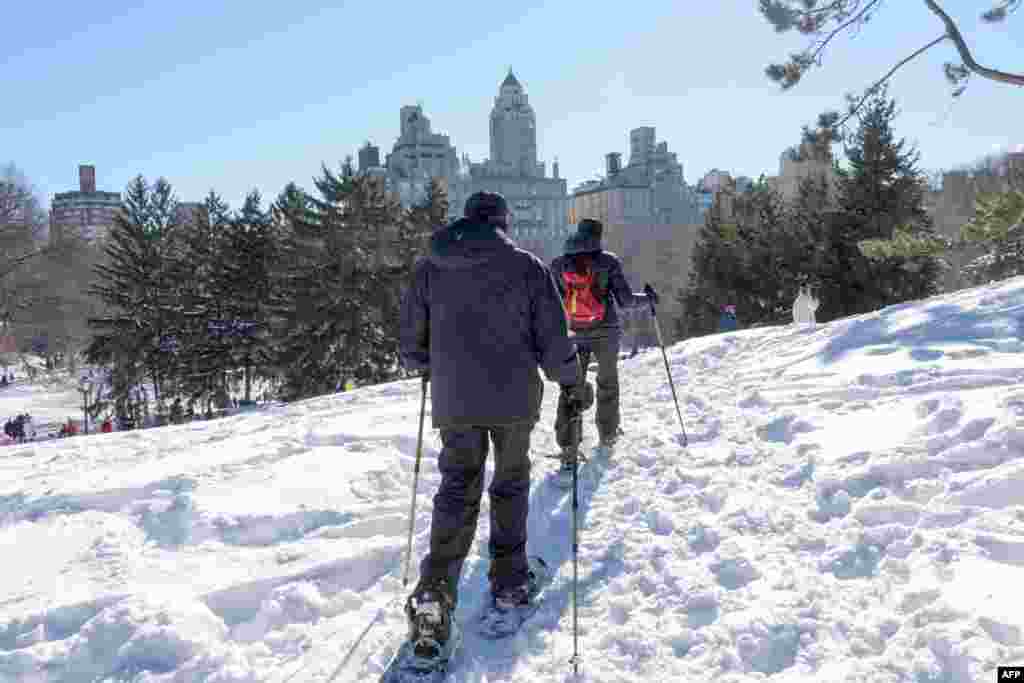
[584, 254]
[481, 316]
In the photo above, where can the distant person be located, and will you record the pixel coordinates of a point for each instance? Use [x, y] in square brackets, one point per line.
[107, 427]
[594, 288]
[480, 318]
[727, 321]
[177, 412]
[804, 307]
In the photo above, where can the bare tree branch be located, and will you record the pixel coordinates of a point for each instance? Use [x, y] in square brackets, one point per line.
[859, 17]
[965, 53]
[785, 15]
[880, 82]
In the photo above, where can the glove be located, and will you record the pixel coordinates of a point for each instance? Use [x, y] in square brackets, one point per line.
[579, 397]
[652, 296]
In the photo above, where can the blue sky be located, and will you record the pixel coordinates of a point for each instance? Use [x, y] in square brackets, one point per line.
[236, 95]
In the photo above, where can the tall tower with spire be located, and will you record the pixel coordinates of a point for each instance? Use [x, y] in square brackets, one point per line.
[513, 131]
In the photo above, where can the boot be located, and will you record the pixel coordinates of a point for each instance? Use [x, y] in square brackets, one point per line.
[609, 441]
[430, 610]
[510, 598]
[570, 459]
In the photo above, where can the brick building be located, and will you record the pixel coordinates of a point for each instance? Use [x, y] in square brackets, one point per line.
[85, 212]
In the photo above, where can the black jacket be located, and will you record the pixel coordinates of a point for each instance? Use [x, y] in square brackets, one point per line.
[608, 271]
[483, 316]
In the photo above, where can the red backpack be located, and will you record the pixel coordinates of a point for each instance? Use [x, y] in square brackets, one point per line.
[585, 292]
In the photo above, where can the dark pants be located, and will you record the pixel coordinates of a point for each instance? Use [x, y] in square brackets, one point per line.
[607, 353]
[457, 504]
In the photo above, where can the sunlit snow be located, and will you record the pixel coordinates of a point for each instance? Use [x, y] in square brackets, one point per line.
[850, 508]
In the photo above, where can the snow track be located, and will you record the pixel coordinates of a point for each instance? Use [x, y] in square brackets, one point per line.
[850, 509]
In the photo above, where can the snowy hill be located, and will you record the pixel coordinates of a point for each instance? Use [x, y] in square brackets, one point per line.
[851, 508]
[51, 400]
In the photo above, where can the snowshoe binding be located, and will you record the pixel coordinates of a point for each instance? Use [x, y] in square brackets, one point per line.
[433, 638]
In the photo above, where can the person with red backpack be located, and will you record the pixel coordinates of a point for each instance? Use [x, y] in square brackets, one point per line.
[593, 287]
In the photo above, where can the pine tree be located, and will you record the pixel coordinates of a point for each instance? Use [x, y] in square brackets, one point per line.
[881, 198]
[811, 259]
[136, 285]
[246, 273]
[998, 226]
[715, 272]
[769, 250]
[333, 299]
[203, 357]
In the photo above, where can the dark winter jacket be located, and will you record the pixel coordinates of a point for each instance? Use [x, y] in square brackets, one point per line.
[727, 322]
[608, 271]
[483, 316]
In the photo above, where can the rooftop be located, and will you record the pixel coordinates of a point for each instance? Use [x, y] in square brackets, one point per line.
[510, 80]
[87, 196]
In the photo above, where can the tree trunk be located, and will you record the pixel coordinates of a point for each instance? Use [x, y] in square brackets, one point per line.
[248, 379]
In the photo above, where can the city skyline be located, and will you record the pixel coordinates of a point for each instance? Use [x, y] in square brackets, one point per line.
[244, 101]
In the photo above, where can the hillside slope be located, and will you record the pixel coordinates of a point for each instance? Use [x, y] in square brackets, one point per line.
[850, 508]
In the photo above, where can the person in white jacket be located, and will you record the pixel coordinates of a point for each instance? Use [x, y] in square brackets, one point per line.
[804, 307]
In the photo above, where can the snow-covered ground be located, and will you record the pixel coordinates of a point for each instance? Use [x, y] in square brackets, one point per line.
[850, 508]
[51, 400]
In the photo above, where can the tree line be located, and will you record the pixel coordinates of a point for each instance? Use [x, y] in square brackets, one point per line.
[299, 297]
[865, 243]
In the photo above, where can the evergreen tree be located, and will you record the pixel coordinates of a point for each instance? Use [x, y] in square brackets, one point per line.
[998, 226]
[332, 301]
[769, 251]
[203, 357]
[425, 216]
[247, 268]
[715, 270]
[136, 284]
[880, 198]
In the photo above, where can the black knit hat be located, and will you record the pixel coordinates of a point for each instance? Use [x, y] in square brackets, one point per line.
[487, 207]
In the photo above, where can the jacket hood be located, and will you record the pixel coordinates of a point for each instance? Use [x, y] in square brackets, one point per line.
[466, 243]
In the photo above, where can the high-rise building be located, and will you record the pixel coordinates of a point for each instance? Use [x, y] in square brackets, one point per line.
[650, 189]
[369, 157]
[418, 155]
[86, 212]
[540, 205]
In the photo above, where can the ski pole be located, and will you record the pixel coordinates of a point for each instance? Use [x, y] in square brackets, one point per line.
[415, 478]
[668, 371]
[576, 426]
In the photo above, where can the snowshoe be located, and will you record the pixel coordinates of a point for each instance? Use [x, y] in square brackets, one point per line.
[434, 637]
[509, 609]
[570, 459]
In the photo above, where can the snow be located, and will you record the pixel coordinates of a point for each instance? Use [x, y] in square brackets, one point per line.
[850, 509]
[49, 404]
